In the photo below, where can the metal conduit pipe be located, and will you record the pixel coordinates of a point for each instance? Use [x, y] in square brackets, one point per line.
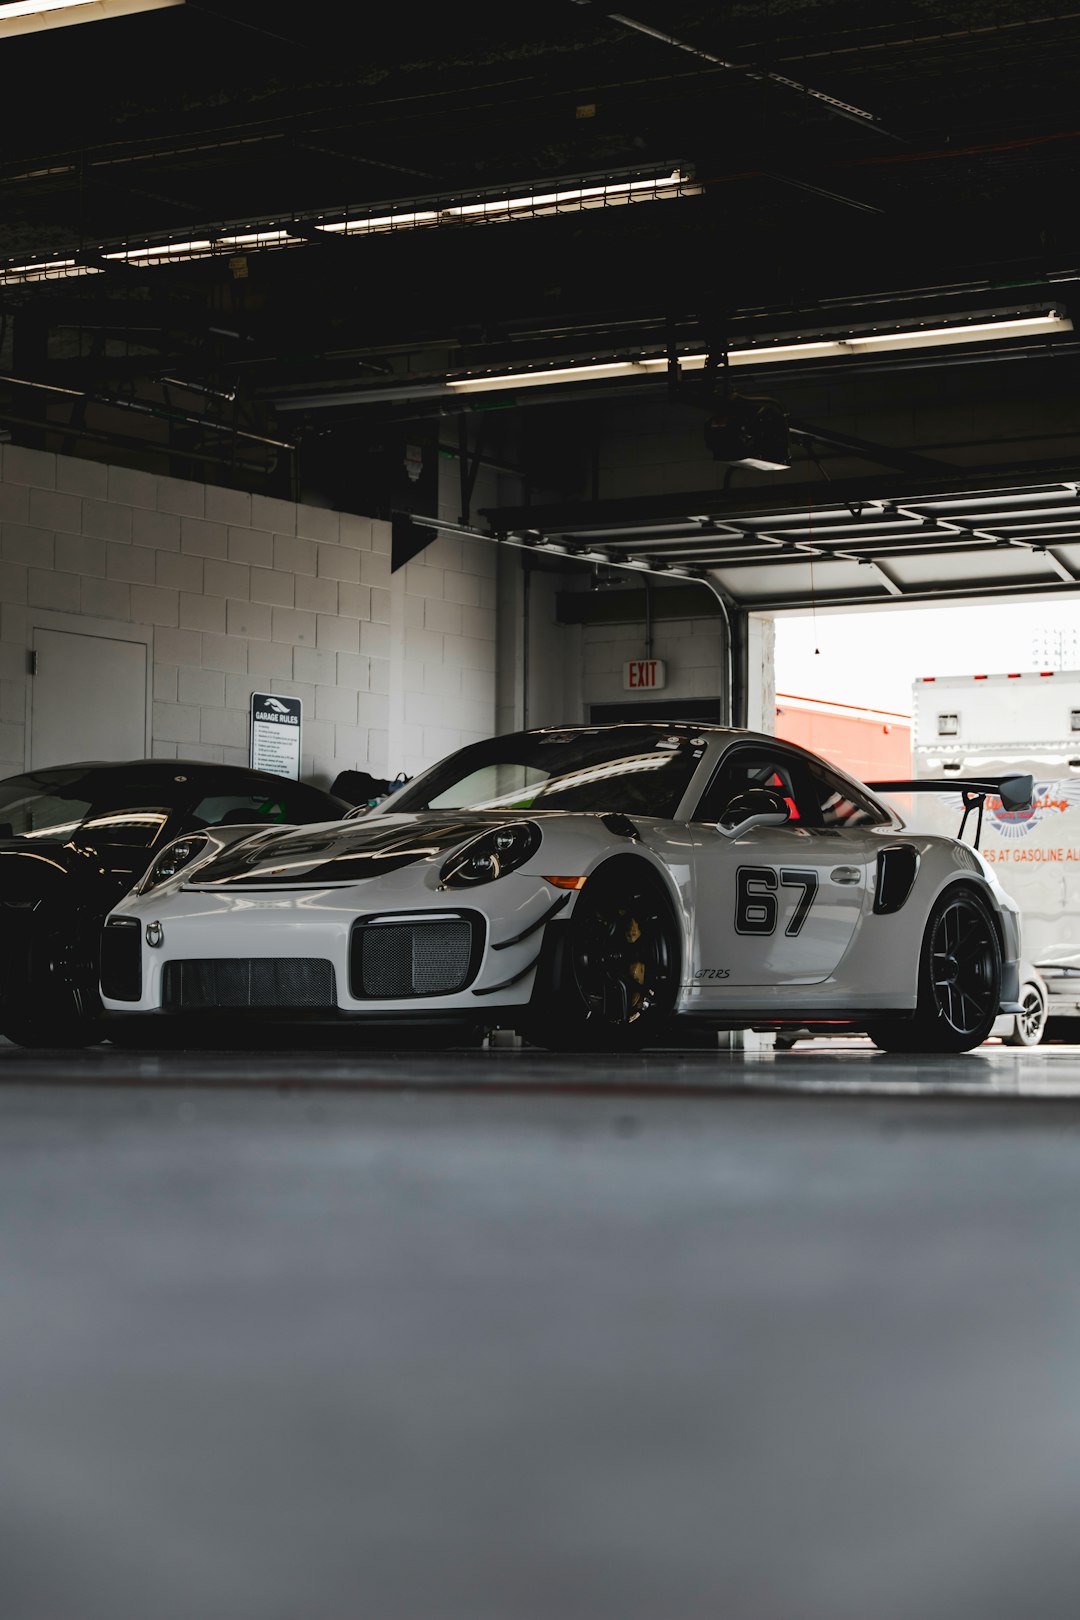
[735, 687]
[526, 592]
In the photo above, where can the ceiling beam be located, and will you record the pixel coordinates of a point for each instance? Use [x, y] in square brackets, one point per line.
[886, 455]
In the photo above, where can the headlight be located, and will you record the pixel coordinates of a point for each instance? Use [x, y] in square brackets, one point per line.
[491, 855]
[172, 859]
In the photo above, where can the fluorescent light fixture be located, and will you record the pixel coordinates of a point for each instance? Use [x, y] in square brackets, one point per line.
[163, 254]
[535, 379]
[777, 353]
[50, 270]
[487, 211]
[35, 8]
[31, 16]
[529, 205]
[919, 337]
[376, 224]
[205, 247]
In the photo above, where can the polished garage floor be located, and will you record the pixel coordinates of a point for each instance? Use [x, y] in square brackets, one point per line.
[503, 1336]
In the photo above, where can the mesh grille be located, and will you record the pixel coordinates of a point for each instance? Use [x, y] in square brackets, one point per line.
[250, 981]
[406, 959]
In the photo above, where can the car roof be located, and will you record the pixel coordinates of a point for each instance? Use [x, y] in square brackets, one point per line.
[683, 728]
[194, 770]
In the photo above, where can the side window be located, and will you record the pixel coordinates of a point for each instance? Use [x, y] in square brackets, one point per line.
[749, 768]
[506, 785]
[838, 803]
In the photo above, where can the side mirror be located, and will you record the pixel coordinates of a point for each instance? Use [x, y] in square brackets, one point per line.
[759, 818]
[1016, 792]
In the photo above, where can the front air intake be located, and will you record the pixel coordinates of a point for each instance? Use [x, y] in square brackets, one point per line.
[393, 960]
[121, 960]
[281, 983]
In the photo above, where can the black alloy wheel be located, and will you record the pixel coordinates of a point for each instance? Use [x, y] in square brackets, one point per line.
[620, 971]
[60, 1006]
[959, 982]
[964, 966]
[1029, 1024]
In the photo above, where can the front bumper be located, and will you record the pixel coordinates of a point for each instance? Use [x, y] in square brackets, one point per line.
[317, 953]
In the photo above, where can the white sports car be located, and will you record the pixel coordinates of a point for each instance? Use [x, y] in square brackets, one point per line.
[583, 884]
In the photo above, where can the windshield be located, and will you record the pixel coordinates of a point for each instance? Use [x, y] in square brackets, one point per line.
[58, 804]
[642, 769]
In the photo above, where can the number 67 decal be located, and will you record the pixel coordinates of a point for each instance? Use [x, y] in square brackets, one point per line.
[756, 903]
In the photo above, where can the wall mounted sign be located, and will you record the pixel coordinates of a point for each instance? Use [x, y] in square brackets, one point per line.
[644, 675]
[275, 734]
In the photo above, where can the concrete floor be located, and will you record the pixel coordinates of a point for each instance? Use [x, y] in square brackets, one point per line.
[503, 1336]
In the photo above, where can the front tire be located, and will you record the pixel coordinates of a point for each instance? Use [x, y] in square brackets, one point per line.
[57, 1003]
[959, 982]
[618, 973]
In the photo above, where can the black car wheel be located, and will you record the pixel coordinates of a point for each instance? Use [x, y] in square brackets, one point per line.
[959, 982]
[617, 979]
[1028, 1025]
[59, 1004]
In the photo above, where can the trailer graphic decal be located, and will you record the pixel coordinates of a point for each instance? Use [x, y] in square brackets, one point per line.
[1049, 799]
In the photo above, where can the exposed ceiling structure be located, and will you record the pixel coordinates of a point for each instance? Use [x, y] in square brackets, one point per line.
[257, 245]
[852, 545]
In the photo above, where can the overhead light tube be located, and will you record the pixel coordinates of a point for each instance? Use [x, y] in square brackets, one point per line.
[31, 16]
[528, 205]
[557, 374]
[779, 353]
[280, 234]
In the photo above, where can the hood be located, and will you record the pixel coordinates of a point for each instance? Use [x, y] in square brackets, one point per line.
[343, 852]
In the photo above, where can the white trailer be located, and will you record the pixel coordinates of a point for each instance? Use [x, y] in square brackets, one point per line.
[989, 725]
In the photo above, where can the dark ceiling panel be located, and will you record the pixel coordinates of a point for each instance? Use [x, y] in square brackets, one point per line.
[949, 185]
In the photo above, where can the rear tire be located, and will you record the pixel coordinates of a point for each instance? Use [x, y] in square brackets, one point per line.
[1029, 1025]
[959, 982]
[618, 975]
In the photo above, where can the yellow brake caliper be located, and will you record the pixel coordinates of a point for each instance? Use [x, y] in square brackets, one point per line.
[637, 969]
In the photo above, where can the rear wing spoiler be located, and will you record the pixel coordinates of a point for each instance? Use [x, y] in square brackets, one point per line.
[1014, 791]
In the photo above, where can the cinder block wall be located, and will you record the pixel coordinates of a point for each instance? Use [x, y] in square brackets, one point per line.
[692, 649]
[242, 593]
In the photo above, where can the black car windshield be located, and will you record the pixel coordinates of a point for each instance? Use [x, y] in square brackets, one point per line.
[643, 769]
[62, 804]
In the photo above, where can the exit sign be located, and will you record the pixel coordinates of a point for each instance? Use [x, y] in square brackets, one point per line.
[644, 675]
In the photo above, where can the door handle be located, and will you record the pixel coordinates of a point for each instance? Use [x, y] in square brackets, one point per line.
[845, 874]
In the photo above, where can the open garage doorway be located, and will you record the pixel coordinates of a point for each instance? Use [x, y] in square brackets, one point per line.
[968, 689]
[872, 658]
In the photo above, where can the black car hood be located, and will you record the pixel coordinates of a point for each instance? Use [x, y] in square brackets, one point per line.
[345, 852]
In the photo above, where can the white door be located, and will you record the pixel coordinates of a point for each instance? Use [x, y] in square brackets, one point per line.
[87, 698]
[779, 905]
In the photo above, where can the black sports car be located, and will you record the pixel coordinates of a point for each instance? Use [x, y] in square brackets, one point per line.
[73, 840]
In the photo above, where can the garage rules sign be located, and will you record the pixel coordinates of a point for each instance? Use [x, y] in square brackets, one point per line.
[275, 734]
[644, 675]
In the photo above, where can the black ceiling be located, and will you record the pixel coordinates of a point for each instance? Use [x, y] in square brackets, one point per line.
[856, 161]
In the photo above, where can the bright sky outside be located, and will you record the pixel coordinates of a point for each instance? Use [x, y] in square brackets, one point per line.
[872, 658]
